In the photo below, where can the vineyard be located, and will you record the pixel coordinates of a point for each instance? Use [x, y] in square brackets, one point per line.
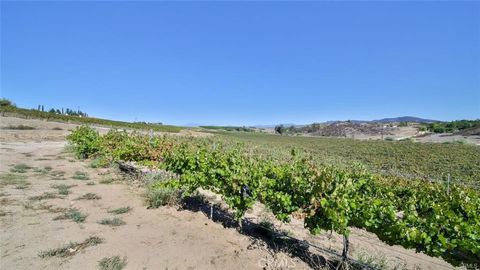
[435, 219]
[404, 159]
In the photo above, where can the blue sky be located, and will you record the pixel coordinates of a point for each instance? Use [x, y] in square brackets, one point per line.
[244, 63]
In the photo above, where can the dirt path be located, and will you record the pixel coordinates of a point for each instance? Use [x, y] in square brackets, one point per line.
[151, 239]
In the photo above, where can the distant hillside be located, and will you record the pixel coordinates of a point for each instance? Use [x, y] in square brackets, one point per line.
[228, 128]
[7, 108]
[410, 119]
[405, 119]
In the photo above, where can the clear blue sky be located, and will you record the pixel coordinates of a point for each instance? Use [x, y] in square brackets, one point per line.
[244, 63]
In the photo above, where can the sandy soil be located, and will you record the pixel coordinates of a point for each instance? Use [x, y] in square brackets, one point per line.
[163, 238]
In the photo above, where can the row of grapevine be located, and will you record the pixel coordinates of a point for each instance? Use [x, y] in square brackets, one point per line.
[413, 214]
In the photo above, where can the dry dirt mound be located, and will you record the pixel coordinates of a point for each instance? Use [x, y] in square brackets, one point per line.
[475, 131]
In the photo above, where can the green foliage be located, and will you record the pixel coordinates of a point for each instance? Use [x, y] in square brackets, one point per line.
[63, 189]
[408, 160]
[86, 141]
[414, 214]
[5, 102]
[99, 162]
[453, 126]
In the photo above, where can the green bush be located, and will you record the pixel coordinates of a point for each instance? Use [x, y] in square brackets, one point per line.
[85, 140]
[5, 102]
[415, 214]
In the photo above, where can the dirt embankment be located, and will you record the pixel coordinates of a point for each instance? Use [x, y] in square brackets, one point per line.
[19, 129]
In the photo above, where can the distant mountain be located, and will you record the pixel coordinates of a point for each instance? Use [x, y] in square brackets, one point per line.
[405, 119]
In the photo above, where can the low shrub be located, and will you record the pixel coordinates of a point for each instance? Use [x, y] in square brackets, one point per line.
[73, 215]
[112, 263]
[20, 168]
[112, 221]
[161, 196]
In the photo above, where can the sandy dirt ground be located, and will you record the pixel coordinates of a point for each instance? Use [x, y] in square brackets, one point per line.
[164, 238]
[448, 138]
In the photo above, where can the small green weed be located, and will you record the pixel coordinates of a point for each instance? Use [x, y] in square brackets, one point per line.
[43, 171]
[99, 163]
[112, 221]
[112, 263]
[63, 189]
[121, 210]
[374, 261]
[80, 176]
[20, 168]
[72, 214]
[44, 196]
[89, 196]
[7, 179]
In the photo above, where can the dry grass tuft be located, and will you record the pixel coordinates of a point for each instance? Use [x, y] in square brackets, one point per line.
[71, 249]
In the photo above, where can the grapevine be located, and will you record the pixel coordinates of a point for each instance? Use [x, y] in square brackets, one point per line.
[414, 214]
